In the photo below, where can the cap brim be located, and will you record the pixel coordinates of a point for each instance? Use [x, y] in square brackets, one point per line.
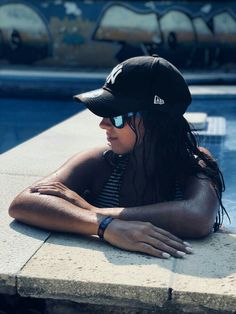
[104, 104]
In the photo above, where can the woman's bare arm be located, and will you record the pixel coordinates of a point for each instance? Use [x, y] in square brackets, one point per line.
[55, 213]
[44, 206]
[192, 217]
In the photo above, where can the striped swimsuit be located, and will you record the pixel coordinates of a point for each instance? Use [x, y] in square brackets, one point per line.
[110, 194]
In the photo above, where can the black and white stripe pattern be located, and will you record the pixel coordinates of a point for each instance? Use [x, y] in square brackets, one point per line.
[110, 194]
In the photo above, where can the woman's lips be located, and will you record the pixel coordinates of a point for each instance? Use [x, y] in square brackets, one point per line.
[111, 138]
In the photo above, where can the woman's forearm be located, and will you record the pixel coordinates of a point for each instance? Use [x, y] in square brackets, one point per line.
[178, 217]
[54, 213]
[194, 216]
[167, 215]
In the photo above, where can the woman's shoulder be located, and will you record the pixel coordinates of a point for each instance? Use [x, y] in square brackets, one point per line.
[81, 169]
[80, 165]
[100, 155]
[94, 155]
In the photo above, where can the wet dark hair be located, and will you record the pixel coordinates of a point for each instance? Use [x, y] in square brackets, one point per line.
[176, 156]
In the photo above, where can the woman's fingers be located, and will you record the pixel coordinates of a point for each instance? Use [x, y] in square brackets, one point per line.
[60, 190]
[173, 250]
[149, 249]
[158, 248]
[176, 245]
[164, 241]
[49, 191]
[168, 234]
[44, 187]
[58, 185]
[143, 237]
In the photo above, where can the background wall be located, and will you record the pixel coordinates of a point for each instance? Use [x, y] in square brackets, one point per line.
[100, 33]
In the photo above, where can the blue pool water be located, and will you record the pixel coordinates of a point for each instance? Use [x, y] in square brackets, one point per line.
[21, 119]
[227, 155]
[24, 118]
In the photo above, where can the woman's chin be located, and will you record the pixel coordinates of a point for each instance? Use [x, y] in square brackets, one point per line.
[119, 151]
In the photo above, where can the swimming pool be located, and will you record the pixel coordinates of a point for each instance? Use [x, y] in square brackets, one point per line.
[227, 157]
[21, 119]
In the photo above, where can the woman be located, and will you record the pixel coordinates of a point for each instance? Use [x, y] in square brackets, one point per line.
[151, 187]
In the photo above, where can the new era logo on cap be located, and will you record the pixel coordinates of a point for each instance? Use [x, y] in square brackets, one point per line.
[158, 101]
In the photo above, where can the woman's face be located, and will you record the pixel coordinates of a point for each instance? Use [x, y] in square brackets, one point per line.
[122, 140]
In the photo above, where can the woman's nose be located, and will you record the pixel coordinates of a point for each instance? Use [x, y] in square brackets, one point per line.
[105, 123]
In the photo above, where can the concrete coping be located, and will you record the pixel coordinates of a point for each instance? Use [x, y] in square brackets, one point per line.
[40, 264]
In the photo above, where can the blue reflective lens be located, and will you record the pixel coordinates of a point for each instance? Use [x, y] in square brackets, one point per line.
[119, 121]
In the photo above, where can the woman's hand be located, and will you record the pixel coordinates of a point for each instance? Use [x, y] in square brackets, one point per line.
[145, 237]
[60, 190]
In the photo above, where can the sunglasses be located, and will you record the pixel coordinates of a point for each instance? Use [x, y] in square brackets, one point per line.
[120, 121]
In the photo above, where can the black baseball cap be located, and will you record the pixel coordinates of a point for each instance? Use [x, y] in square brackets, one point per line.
[137, 84]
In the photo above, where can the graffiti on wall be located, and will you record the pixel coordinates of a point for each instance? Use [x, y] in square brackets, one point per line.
[100, 33]
[24, 37]
[184, 39]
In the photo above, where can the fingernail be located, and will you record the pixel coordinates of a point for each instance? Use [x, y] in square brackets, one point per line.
[187, 244]
[165, 255]
[189, 249]
[181, 253]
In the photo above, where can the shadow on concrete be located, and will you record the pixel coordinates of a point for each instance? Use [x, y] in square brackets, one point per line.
[217, 249]
[29, 231]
